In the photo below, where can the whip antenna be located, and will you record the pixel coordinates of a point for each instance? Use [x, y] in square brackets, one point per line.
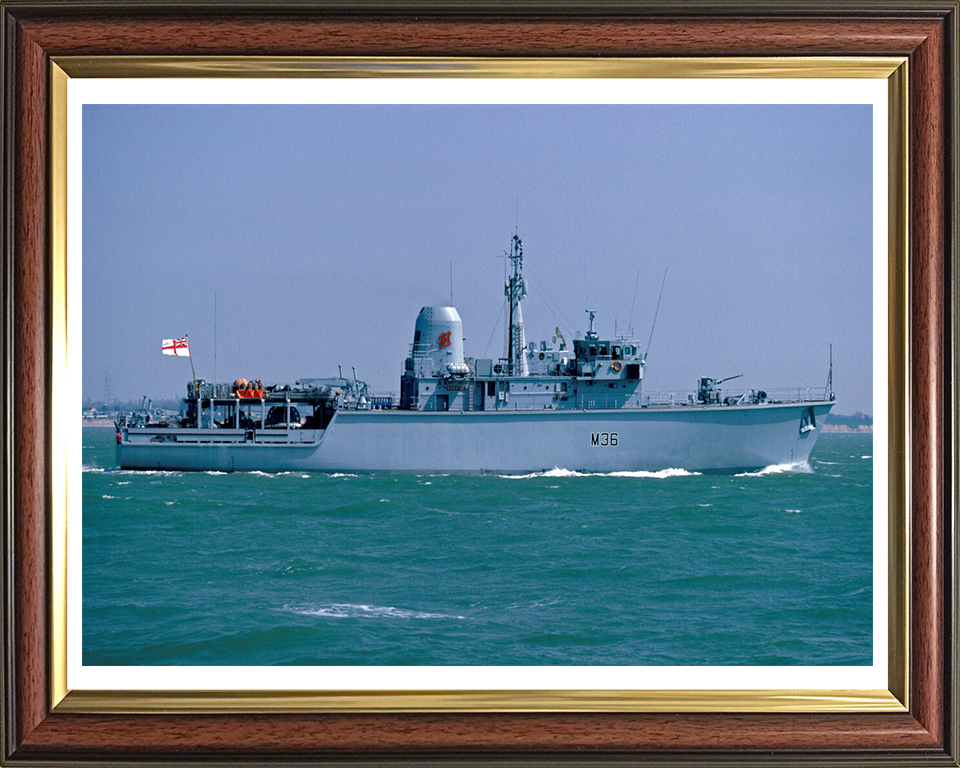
[655, 314]
[633, 306]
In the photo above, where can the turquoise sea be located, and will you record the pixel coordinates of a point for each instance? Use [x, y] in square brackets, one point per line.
[672, 568]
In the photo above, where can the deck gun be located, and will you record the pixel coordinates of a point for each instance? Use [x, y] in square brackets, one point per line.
[709, 390]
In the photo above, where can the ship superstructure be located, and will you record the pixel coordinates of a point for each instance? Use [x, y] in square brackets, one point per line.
[538, 407]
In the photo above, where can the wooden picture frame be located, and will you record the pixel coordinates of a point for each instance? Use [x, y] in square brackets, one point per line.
[38, 731]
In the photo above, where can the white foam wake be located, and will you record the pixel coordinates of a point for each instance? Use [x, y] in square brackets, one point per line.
[799, 467]
[351, 611]
[659, 475]
[557, 472]
[149, 472]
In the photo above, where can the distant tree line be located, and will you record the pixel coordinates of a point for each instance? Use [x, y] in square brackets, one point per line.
[170, 404]
[856, 420]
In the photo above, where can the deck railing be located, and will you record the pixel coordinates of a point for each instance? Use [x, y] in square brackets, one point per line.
[740, 397]
[657, 399]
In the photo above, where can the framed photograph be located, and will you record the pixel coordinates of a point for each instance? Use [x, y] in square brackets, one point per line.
[189, 134]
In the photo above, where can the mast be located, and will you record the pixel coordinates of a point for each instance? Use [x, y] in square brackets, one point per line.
[515, 290]
[829, 387]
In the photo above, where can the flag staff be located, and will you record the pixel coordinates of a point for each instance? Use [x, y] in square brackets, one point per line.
[177, 347]
[192, 369]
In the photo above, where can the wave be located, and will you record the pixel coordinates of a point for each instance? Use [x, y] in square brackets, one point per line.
[131, 472]
[353, 611]
[856, 592]
[148, 472]
[544, 602]
[659, 475]
[799, 467]
[557, 472]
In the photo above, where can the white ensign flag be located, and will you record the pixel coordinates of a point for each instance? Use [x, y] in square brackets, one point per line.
[180, 347]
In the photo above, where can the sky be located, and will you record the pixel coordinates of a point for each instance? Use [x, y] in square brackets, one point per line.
[287, 240]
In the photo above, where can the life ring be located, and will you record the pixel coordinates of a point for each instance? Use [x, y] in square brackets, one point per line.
[616, 366]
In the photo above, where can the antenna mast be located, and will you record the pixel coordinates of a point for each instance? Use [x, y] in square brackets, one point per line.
[655, 315]
[634, 304]
[830, 376]
[214, 337]
[515, 290]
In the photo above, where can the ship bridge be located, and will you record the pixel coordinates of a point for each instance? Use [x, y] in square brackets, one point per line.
[530, 376]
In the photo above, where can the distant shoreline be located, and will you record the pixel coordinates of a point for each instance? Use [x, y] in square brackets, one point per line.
[863, 429]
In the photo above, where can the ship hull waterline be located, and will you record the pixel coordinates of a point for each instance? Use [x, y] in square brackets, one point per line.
[710, 439]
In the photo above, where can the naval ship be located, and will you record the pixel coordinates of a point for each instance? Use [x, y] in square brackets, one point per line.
[539, 407]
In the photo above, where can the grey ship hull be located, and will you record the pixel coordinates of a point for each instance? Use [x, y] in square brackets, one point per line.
[720, 439]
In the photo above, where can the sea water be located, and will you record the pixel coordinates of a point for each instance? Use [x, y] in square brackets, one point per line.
[557, 568]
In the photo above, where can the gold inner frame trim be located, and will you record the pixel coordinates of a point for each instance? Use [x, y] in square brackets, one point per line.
[898, 414]
[59, 459]
[892, 69]
[439, 67]
[229, 702]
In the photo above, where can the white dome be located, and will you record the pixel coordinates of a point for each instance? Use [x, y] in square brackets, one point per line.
[438, 334]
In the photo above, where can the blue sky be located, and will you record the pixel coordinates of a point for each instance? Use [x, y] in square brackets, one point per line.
[322, 231]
